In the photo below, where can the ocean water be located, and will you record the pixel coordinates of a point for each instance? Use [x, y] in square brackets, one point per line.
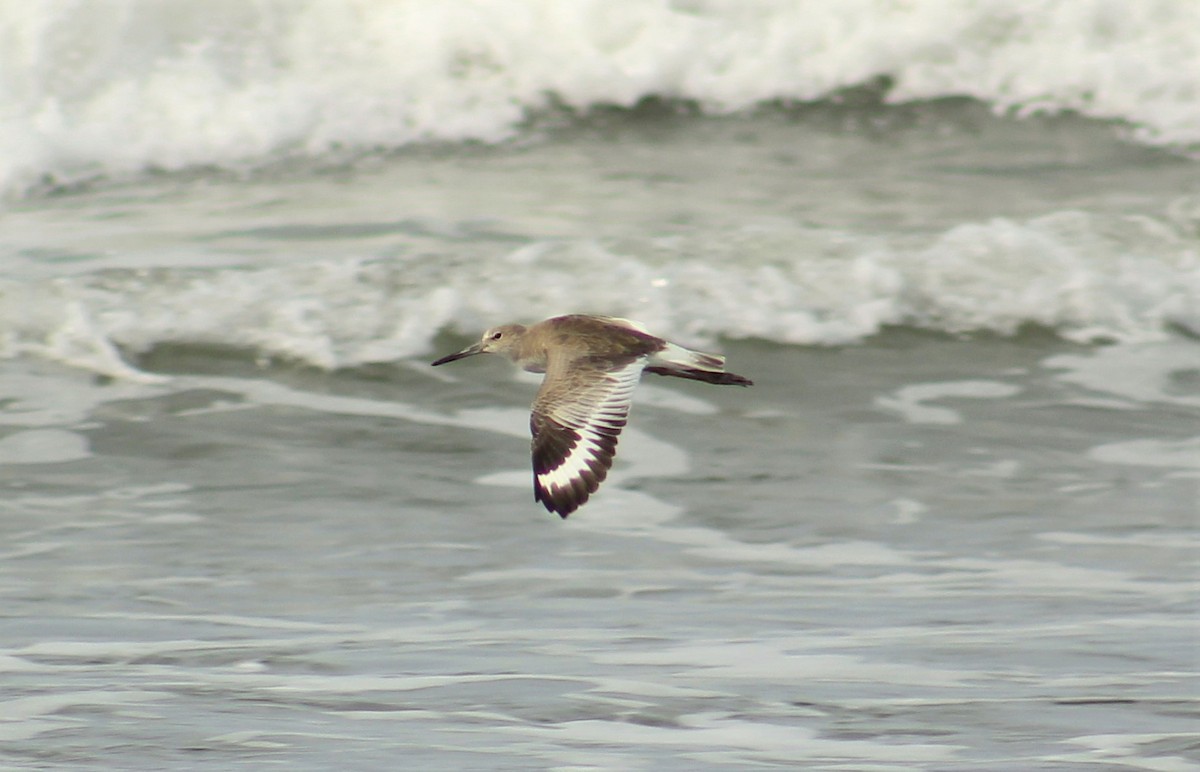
[955, 525]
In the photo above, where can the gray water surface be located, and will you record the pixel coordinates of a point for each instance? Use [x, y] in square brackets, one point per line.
[914, 554]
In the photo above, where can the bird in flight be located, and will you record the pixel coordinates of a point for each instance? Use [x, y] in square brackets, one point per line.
[592, 364]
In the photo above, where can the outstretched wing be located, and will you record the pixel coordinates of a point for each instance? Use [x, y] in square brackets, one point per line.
[576, 419]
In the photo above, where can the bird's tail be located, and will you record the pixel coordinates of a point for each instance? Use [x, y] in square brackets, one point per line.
[680, 362]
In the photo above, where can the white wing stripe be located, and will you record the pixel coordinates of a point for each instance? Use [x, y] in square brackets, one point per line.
[605, 408]
[574, 465]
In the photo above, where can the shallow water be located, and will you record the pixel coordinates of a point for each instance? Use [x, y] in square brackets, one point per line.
[914, 553]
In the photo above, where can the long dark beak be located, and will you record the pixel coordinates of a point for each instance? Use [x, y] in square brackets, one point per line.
[466, 352]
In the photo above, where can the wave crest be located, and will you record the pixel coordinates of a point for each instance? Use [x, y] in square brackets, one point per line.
[121, 87]
[1086, 278]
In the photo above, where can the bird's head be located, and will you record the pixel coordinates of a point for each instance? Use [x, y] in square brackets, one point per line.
[505, 339]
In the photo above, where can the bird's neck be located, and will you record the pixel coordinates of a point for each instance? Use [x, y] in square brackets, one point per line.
[530, 356]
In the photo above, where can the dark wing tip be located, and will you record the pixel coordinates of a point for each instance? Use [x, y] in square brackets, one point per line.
[565, 500]
[561, 502]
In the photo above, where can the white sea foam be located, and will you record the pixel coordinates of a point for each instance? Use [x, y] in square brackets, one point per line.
[716, 736]
[1182, 454]
[909, 401]
[1132, 751]
[1068, 272]
[786, 659]
[50, 400]
[125, 86]
[1138, 374]
[43, 446]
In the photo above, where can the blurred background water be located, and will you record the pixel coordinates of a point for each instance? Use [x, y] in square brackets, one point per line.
[953, 526]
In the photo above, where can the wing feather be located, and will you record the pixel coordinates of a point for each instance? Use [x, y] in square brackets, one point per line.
[577, 417]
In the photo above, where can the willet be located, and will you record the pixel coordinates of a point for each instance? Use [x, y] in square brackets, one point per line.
[591, 364]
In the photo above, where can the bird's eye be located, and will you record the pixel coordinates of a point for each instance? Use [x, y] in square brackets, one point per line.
[497, 335]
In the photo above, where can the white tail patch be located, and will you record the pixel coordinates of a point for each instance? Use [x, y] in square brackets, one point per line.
[674, 356]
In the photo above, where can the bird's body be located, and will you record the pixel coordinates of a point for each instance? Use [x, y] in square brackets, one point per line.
[592, 364]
